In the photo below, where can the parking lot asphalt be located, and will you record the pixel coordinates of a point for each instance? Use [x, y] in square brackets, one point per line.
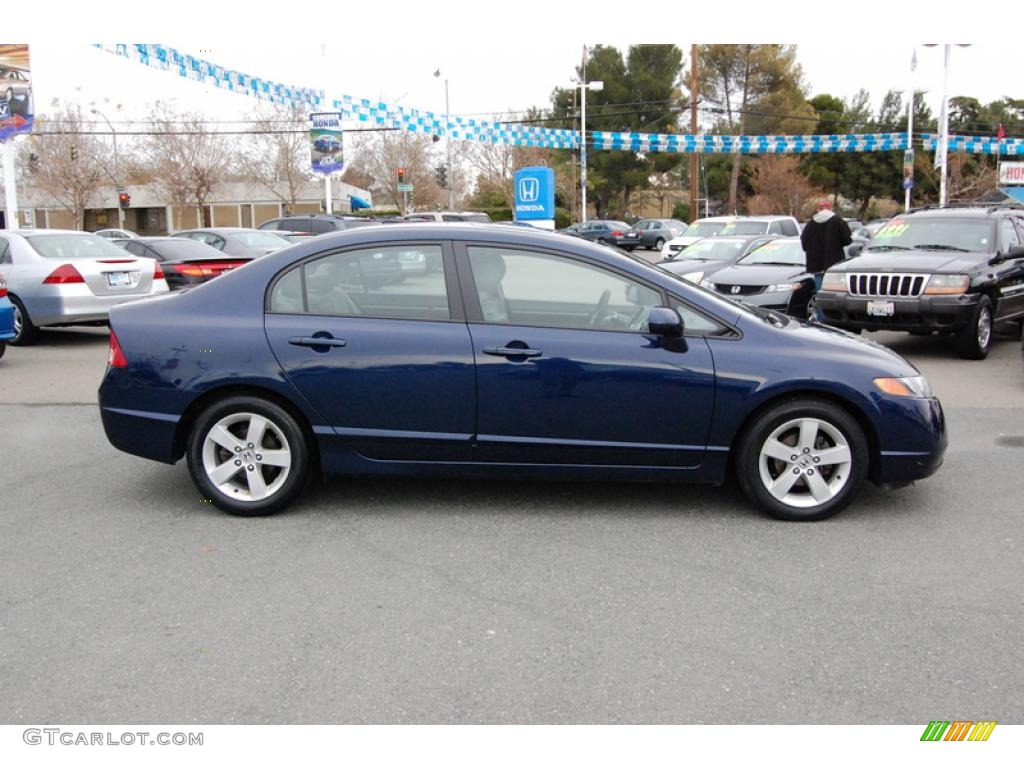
[127, 599]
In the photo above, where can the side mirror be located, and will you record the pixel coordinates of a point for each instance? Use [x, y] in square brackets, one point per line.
[1015, 252]
[854, 250]
[665, 321]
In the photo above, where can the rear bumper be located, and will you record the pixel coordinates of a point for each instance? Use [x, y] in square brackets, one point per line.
[75, 304]
[922, 313]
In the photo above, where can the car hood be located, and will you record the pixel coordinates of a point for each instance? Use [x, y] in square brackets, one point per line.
[826, 343]
[682, 266]
[909, 261]
[761, 274]
[685, 240]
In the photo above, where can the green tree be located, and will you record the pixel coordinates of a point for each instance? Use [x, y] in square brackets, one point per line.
[753, 88]
[641, 93]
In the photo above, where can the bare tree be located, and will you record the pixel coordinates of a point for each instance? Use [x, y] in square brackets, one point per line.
[379, 156]
[68, 164]
[280, 158]
[496, 166]
[779, 187]
[187, 158]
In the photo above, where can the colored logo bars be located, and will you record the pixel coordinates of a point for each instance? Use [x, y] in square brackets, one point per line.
[418, 121]
[959, 730]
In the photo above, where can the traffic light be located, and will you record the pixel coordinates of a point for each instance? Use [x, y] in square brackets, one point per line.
[401, 175]
[124, 199]
[442, 176]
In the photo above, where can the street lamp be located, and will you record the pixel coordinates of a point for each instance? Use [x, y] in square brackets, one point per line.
[448, 144]
[117, 167]
[593, 85]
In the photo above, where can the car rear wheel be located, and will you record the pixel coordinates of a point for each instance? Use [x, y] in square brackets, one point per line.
[659, 244]
[974, 340]
[25, 333]
[248, 456]
[802, 460]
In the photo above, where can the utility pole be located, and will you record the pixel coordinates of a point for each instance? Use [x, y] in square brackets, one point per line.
[693, 130]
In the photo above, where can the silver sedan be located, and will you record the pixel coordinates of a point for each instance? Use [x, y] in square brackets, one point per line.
[64, 277]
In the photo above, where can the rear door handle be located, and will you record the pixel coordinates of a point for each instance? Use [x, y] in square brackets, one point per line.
[512, 352]
[317, 341]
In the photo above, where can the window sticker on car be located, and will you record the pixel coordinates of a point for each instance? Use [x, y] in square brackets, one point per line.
[893, 229]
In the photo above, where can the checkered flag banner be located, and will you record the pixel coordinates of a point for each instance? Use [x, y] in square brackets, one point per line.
[756, 145]
[978, 145]
[485, 131]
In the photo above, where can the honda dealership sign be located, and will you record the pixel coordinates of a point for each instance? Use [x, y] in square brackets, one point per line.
[535, 196]
[16, 108]
[325, 142]
[1011, 173]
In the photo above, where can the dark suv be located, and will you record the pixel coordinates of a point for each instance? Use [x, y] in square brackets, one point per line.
[955, 270]
[298, 226]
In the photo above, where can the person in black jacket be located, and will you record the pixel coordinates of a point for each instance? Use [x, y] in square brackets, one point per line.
[823, 240]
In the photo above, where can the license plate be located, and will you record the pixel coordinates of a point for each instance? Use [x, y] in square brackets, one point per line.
[881, 308]
[119, 279]
[632, 234]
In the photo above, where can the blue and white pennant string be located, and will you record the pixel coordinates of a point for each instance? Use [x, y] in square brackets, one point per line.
[418, 121]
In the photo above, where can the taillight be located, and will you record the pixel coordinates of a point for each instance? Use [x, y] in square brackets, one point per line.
[617, 233]
[115, 357]
[63, 275]
[189, 270]
[3, 286]
[158, 273]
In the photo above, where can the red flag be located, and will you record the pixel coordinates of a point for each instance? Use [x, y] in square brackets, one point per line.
[1000, 132]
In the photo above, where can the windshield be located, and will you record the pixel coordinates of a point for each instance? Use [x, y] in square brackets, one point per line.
[712, 249]
[71, 247]
[967, 234]
[788, 252]
[704, 228]
[745, 228]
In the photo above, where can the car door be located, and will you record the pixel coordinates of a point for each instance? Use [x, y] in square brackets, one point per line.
[388, 367]
[1010, 273]
[566, 373]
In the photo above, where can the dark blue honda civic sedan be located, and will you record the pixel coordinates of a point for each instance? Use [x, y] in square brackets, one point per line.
[520, 354]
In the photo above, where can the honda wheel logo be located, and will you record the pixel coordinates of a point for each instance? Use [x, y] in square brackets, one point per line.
[529, 190]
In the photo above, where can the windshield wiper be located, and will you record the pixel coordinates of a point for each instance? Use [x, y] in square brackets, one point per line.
[887, 248]
[940, 247]
[770, 264]
[768, 315]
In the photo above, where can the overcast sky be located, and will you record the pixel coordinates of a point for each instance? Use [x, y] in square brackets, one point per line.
[497, 57]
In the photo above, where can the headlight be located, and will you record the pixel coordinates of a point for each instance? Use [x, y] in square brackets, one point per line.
[707, 284]
[834, 281]
[694, 277]
[908, 386]
[947, 284]
[782, 288]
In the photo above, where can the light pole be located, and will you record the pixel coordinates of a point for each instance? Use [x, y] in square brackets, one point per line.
[117, 168]
[448, 143]
[942, 150]
[594, 85]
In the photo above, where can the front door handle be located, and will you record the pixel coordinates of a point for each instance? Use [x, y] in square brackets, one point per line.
[512, 351]
[317, 341]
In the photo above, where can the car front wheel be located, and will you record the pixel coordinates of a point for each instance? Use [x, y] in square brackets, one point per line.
[974, 340]
[248, 456]
[802, 460]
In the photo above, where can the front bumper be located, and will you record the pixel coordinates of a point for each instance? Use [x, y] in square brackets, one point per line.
[919, 313]
[913, 440]
[6, 320]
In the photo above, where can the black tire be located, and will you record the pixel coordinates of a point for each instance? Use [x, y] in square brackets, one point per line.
[659, 244]
[25, 332]
[825, 427]
[3, 348]
[974, 340]
[233, 490]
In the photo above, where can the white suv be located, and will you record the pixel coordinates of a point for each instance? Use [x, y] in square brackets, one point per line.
[730, 225]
